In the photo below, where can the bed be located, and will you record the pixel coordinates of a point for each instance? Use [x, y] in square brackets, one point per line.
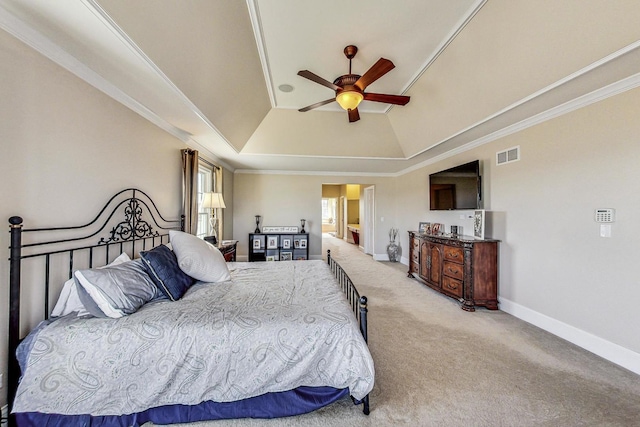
[167, 334]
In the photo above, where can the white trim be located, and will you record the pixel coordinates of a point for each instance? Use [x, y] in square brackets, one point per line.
[380, 257]
[613, 89]
[101, 14]
[254, 16]
[473, 10]
[612, 352]
[315, 173]
[597, 95]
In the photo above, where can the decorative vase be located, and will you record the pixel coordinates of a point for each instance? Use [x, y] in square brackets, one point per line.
[392, 247]
[257, 224]
[392, 251]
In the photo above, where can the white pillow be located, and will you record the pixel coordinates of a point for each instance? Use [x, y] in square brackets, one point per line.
[115, 291]
[69, 300]
[199, 259]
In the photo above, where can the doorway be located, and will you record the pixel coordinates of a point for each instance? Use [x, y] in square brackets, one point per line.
[354, 213]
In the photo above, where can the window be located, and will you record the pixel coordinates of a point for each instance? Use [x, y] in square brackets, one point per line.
[329, 211]
[205, 185]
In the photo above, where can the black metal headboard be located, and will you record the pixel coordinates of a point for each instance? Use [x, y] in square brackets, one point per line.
[84, 246]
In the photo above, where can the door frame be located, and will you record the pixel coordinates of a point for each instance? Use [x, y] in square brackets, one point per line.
[369, 220]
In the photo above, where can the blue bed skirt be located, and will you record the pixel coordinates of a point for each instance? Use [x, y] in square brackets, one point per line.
[270, 405]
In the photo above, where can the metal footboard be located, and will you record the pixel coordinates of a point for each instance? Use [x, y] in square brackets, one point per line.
[358, 305]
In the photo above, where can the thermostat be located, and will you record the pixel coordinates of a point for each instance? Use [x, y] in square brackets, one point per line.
[605, 215]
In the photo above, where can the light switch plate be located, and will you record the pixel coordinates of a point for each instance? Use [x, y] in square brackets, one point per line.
[605, 230]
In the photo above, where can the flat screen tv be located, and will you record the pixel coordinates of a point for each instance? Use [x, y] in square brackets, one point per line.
[456, 188]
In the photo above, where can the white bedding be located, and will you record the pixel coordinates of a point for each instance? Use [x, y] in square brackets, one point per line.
[273, 327]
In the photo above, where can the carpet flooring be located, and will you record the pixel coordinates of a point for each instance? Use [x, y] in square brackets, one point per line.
[437, 365]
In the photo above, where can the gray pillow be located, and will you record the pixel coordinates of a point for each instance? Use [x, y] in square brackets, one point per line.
[114, 291]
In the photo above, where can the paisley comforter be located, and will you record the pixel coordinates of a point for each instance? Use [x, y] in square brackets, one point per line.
[272, 327]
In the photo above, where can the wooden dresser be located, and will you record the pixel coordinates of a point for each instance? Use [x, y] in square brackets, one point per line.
[461, 267]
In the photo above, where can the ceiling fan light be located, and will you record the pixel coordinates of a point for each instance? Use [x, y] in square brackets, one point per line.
[349, 99]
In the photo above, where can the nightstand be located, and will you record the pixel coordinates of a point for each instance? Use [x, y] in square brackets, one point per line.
[228, 249]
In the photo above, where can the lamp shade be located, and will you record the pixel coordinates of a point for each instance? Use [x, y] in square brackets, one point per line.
[349, 99]
[213, 200]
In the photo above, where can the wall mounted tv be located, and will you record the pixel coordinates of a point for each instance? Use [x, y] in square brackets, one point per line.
[456, 188]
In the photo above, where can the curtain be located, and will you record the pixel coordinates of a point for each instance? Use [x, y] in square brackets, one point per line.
[190, 190]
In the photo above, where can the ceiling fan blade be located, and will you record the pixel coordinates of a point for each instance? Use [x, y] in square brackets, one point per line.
[379, 69]
[316, 105]
[354, 116]
[316, 78]
[389, 99]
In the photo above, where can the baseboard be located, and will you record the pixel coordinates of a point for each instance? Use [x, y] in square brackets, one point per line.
[607, 350]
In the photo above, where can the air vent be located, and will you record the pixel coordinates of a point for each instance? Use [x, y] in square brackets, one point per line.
[507, 156]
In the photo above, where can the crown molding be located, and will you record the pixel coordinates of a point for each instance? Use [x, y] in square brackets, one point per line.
[613, 89]
[254, 16]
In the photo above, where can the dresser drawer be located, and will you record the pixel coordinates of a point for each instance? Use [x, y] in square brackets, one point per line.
[415, 267]
[452, 269]
[454, 254]
[452, 286]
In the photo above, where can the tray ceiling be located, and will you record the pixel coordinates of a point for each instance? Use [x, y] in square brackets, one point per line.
[209, 72]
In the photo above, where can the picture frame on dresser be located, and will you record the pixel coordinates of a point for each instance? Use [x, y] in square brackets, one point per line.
[256, 244]
[286, 256]
[478, 224]
[272, 242]
[286, 243]
[424, 227]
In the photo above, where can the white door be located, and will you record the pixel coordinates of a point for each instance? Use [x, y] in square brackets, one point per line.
[369, 220]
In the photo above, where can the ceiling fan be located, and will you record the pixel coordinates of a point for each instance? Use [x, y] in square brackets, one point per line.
[350, 87]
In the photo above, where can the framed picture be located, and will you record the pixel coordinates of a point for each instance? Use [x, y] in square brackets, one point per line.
[271, 258]
[424, 228]
[303, 243]
[286, 256]
[286, 243]
[296, 243]
[436, 228]
[272, 242]
[478, 224]
[256, 243]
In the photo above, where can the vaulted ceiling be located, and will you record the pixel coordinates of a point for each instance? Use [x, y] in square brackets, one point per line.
[211, 71]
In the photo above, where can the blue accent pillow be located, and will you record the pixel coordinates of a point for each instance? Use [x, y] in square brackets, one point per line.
[162, 266]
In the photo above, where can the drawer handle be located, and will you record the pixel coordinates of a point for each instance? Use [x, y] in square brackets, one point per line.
[451, 287]
[453, 254]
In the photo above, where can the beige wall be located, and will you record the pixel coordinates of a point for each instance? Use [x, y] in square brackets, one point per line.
[555, 270]
[63, 142]
[283, 199]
